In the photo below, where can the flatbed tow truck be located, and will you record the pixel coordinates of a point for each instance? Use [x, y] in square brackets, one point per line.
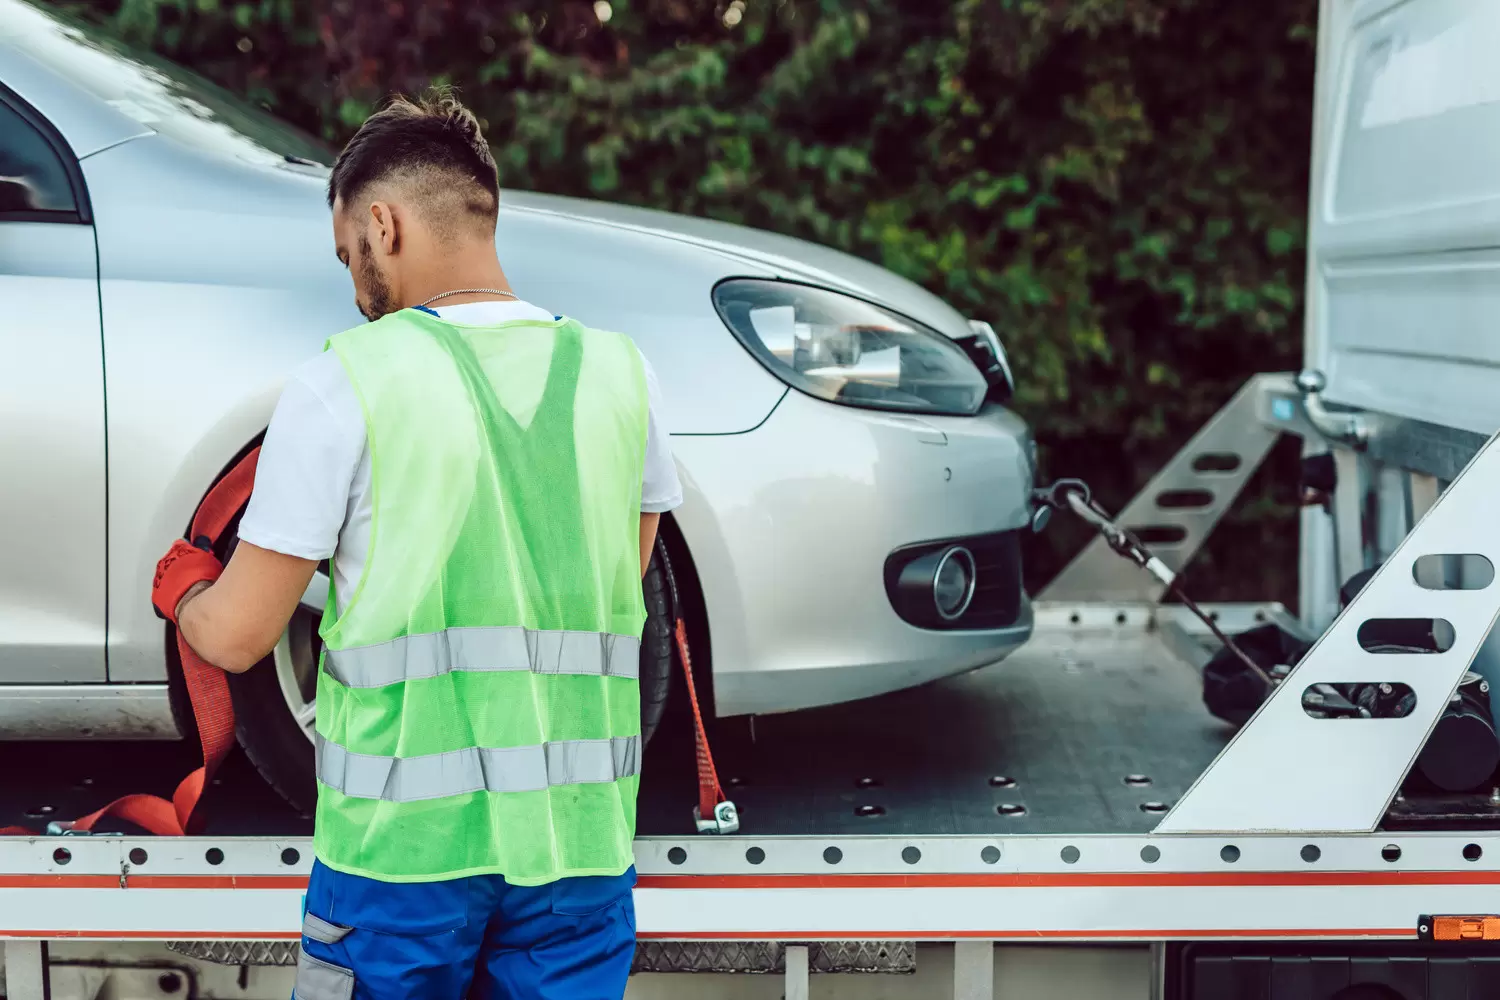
[1078, 796]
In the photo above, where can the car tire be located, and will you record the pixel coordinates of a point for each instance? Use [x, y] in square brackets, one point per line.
[1367, 991]
[274, 700]
[658, 639]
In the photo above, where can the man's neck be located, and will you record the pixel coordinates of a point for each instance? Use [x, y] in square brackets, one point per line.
[478, 282]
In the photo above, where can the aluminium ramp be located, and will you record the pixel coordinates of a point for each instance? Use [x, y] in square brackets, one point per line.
[1287, 772]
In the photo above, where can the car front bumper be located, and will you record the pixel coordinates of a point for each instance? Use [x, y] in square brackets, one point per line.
[790, 527]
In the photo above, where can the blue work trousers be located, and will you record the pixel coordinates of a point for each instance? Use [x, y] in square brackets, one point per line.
[476, 937]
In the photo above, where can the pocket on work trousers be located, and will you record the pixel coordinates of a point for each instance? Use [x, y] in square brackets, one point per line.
[317, 979]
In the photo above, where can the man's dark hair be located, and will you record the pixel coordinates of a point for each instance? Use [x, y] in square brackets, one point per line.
[433, 143]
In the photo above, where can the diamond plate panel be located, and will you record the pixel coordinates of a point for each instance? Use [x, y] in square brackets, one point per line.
[238, 952]
[770, 957]
[863, 956]
[650, 956]
[695, 956]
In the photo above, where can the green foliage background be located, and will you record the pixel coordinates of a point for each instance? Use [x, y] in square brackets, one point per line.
[1118, 185]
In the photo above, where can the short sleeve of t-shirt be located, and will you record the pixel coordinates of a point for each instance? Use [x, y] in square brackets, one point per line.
[313, 447]
[661, 490]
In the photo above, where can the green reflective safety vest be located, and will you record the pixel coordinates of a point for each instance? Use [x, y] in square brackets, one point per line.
[478, 709]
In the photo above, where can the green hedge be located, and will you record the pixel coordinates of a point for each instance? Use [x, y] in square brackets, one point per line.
[1118, 185]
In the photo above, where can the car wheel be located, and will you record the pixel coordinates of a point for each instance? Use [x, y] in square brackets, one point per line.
[275, 702]
[1368, 991]
[657, 642]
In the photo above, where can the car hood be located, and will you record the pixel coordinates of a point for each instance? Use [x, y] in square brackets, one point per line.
[785, 256]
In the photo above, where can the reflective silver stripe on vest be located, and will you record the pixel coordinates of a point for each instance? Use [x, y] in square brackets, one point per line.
[413, 657]
[512, 769]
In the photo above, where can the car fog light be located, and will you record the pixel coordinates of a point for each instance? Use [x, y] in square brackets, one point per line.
[953, 582]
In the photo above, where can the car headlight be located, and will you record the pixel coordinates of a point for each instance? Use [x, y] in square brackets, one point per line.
[984, 348]
[848, 351]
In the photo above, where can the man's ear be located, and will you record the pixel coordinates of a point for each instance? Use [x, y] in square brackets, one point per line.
[386, 227]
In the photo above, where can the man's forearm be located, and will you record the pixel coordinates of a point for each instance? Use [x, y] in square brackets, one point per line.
[649, 524]
[216, 636]
[235, 622]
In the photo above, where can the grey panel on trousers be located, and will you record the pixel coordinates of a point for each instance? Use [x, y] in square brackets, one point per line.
[320, 980]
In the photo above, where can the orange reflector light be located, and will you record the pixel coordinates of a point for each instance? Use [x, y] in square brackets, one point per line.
[1466, 928]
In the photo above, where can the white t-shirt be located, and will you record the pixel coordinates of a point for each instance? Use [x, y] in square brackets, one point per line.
[312, 482]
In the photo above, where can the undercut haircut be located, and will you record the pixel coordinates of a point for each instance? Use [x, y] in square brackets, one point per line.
[433, 148]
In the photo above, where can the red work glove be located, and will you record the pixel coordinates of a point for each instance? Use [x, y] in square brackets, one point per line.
[183, 566]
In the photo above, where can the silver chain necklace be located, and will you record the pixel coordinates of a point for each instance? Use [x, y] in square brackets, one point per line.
[468, 291]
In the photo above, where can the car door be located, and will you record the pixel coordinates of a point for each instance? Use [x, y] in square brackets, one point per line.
[52, 497]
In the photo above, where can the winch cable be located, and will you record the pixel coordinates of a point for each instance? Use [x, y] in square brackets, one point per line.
[1073, 495]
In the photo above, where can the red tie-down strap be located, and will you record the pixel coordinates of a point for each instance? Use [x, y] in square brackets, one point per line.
[710, 793]
[207, 687]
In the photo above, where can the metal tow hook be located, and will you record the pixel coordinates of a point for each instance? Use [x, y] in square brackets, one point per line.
[726, 819]
[1075, 496]
[1046, 499]
[65, 828]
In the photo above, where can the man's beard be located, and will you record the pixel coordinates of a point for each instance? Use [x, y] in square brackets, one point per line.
[376, 289]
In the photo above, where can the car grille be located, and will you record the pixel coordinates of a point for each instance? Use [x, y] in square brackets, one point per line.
[997, 582]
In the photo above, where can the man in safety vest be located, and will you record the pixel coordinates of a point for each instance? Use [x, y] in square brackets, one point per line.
[487, 479]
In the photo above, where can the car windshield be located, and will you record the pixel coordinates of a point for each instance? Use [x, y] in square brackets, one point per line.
[164, 97]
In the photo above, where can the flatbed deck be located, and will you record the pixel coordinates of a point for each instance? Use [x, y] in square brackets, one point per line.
[1088, 729]
[1102, 695]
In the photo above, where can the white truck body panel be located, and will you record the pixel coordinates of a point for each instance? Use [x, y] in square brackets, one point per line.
[1404, 242]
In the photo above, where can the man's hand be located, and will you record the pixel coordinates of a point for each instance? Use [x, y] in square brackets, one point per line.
[237, 620]
[184, 568]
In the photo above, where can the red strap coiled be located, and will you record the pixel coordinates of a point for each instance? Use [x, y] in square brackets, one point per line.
[207, 687]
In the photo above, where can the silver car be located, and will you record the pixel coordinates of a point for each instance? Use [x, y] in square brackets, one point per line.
[855, 489]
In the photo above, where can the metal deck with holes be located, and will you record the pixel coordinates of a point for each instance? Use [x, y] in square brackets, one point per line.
[1014, 803]
[1094, 727]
